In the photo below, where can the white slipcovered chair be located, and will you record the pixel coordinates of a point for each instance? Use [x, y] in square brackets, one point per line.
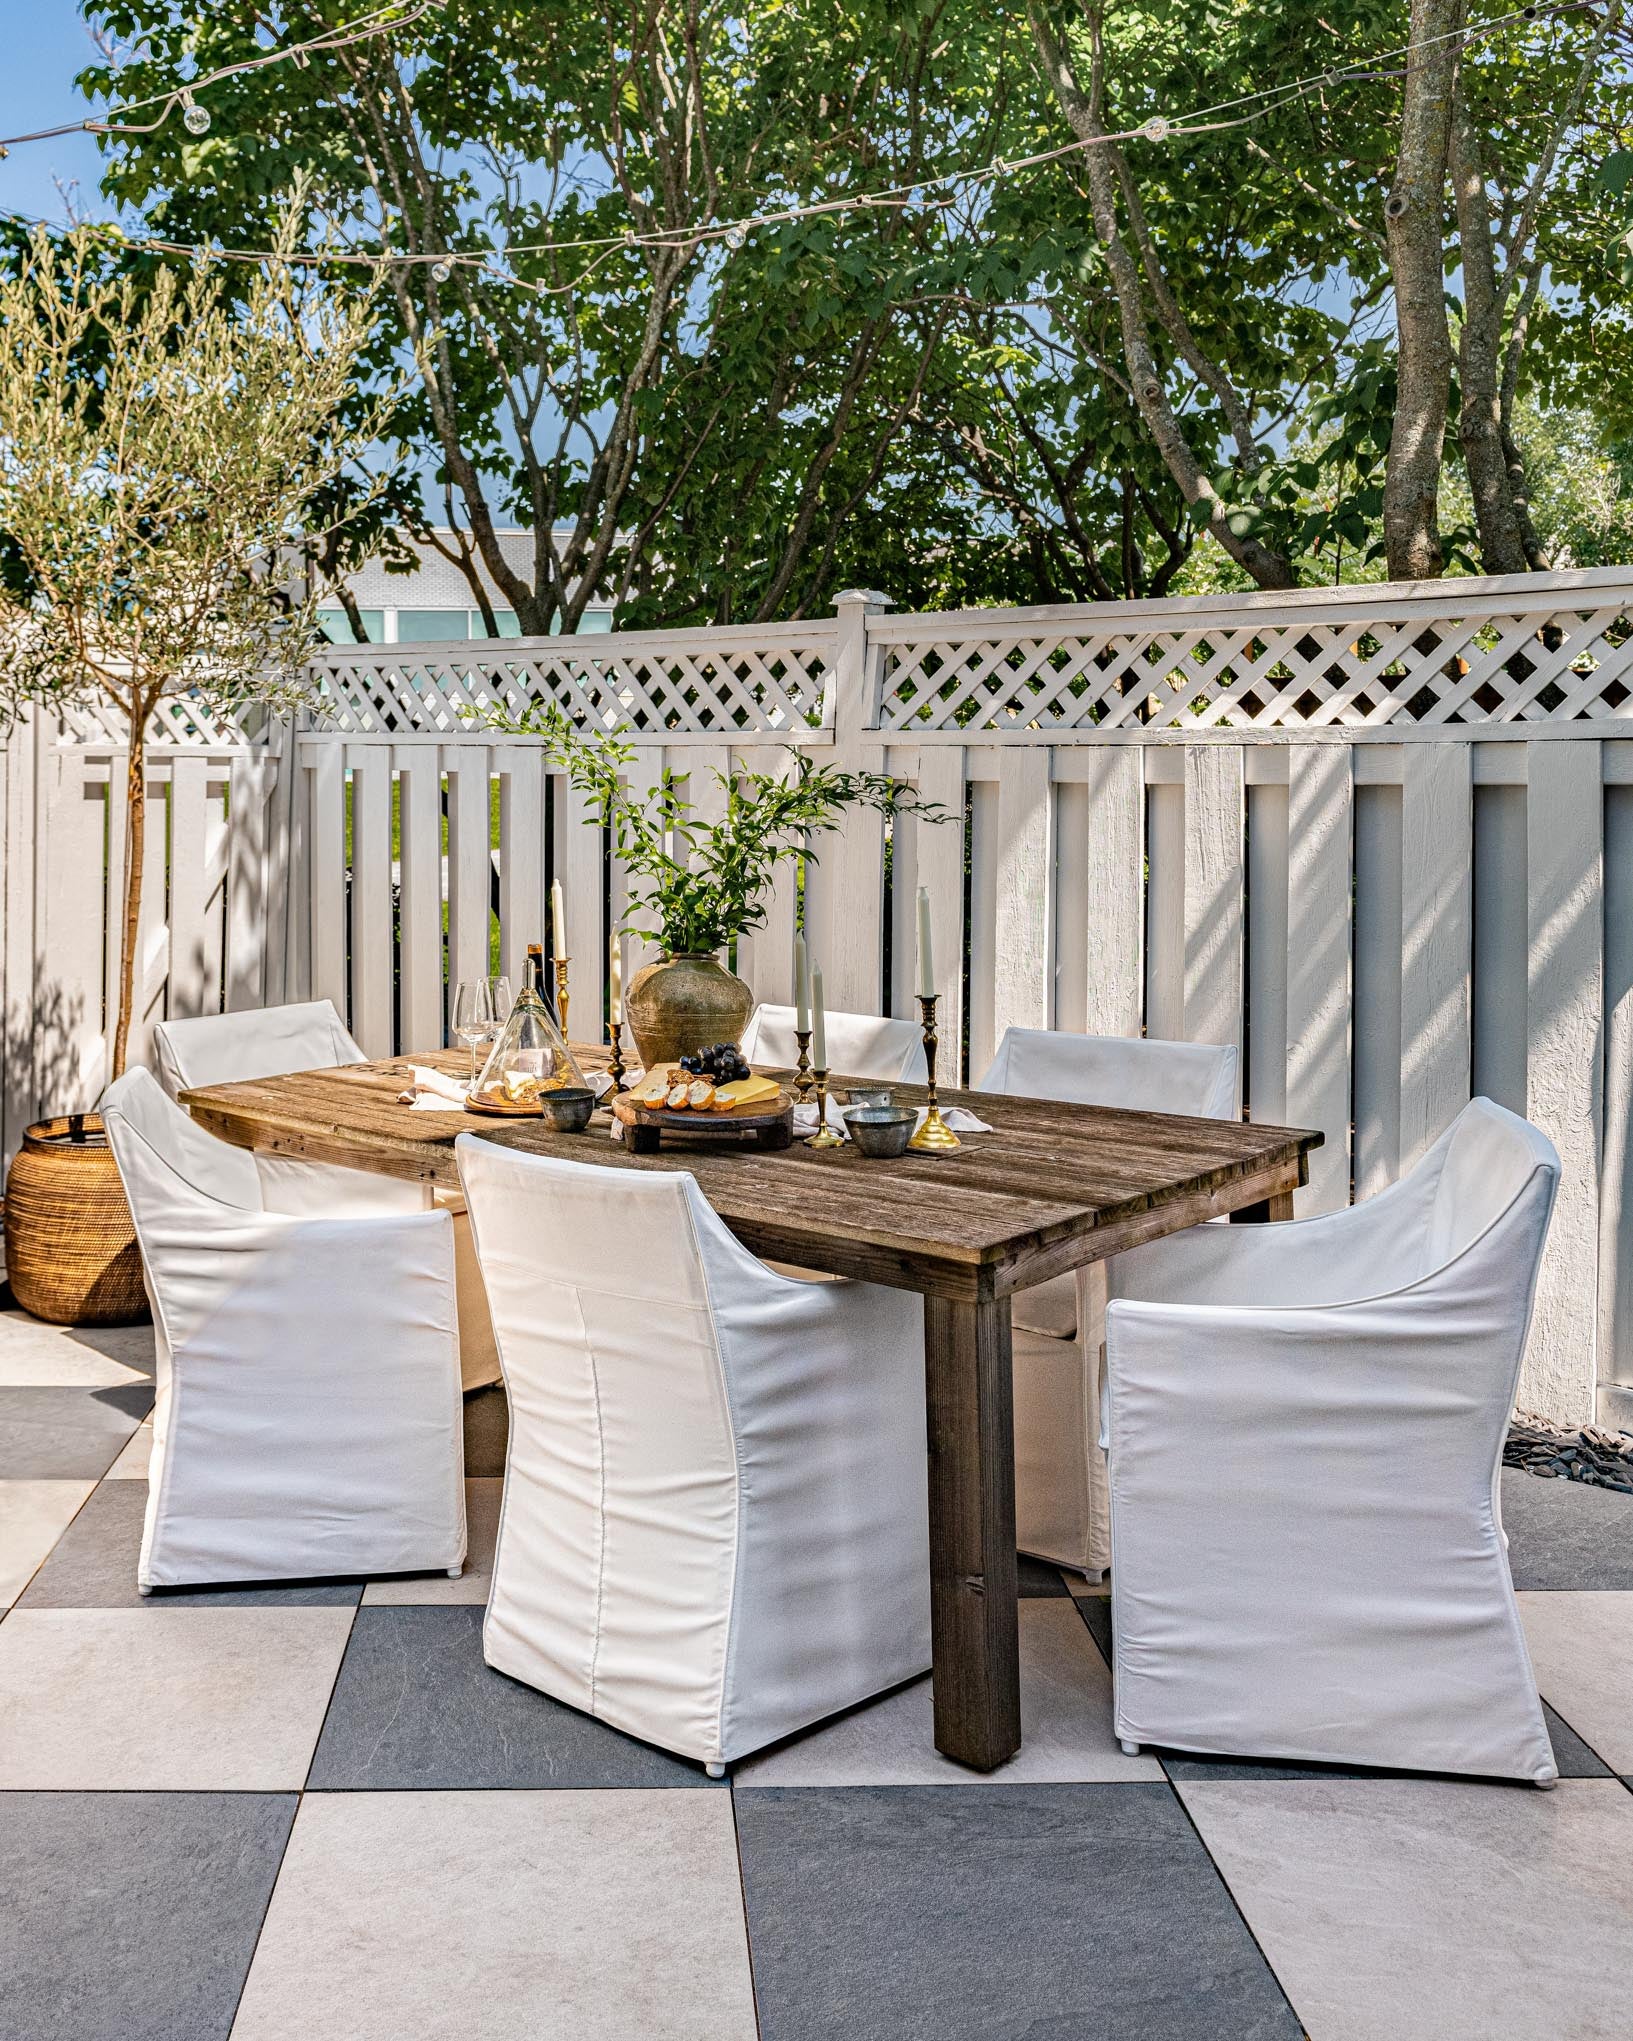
[273, 1041]
[307, 1419]
[859, 1045]
[1306, 1425]
[714, 1523]
[1060, 1476]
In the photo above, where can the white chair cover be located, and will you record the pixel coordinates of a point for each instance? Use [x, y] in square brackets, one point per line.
[307, 1419]
[1306, 1425]
[714, 1527]
[1060, 1476]
[272, 1041]
[859, 1045]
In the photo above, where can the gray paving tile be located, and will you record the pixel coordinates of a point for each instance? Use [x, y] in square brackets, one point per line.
[1582, 1650]
[1563, 1535]
[68, 1434]
[1066, 1726]
[1435, 1910]
[159, 1700]
[132, 1914]
[504, 1917]
[94, 1567]
[84, 1356]
[487, 1427]
[1096, 1613]
[1088, 1913]
[33, 1516]
[415, 1706]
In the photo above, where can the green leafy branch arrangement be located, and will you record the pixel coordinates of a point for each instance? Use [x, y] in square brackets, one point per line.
[703, 883]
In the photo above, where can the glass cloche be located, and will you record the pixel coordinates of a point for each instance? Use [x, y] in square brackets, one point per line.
[529, 1058]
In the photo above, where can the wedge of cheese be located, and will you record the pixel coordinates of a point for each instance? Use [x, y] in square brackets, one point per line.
[747, 1091]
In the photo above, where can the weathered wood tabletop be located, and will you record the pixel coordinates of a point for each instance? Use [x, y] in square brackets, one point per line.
[1050, 1188]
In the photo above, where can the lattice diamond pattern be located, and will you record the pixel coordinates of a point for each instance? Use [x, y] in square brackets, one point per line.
[766, 689]
[1269, 673]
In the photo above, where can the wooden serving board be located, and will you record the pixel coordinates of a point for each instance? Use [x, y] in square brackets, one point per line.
[764, 1126]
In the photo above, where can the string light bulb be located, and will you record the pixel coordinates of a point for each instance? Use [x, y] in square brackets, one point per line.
[194, 118]
[1157, 129]
[735, 237]
[441, 271]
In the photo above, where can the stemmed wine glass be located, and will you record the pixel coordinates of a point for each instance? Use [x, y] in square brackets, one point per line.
[503, 1000]
[471, 1017]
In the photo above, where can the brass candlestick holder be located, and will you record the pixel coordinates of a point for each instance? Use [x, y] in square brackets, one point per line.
[561, 995]
[935, 1137]
[615, 1066]
[824, 1137]
[802, 1069]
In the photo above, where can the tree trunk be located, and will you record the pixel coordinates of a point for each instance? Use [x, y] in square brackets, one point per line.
[1414, 222]
[1480, 420]
[135, 847]
[1084, 110]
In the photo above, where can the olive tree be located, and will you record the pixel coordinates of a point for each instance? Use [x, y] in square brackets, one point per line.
[168, 460]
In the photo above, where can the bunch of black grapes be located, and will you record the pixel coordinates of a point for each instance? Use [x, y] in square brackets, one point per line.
[722, 1063]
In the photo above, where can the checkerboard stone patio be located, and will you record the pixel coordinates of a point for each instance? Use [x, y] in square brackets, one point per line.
[274, 1814]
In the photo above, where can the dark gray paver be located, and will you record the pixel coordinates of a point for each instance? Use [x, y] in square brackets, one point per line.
[93, 1566]
[68, 1434]
[416, 1707]
[132, 1916]
[923, 1912]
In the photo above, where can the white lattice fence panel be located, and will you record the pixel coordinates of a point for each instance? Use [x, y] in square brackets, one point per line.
[1526, 648]
[655, 684]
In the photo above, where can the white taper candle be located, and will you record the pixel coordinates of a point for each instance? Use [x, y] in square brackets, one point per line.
[802, 984]
[558, 921]
[927, 968]
[819, 1024]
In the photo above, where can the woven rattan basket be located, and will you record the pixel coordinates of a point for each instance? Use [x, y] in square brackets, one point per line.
[71, 1254]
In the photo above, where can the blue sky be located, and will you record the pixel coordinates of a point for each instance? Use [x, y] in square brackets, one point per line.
[46, 47]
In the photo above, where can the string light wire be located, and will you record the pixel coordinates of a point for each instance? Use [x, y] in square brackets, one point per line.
[342, 36]
[495, 262]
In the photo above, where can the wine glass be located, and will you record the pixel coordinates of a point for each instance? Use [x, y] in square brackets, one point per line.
[503, 1000]
[471, 1016]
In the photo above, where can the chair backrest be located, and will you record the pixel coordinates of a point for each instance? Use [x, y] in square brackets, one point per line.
[599, 1285]
[268, 1041]
[1197, 1079]
[167, 1162]
[859, 1045]
[1489, 1166]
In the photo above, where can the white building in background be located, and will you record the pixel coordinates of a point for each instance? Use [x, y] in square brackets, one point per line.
[433, 604]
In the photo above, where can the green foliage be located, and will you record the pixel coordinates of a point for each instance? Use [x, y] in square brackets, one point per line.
[928, 398]
[704, 883]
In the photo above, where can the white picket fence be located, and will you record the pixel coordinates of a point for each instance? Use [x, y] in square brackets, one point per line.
[1381, 837]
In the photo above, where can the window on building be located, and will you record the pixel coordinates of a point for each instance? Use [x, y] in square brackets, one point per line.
[417, 626]
[337, 626]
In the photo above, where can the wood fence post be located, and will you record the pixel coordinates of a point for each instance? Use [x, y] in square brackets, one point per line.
[852, 858]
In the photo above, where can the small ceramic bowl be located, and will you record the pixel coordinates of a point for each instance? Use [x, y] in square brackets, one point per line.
[567, 1112]
[880, 1130]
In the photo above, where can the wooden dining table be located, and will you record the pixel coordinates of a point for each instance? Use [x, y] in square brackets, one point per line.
[1050, 1188]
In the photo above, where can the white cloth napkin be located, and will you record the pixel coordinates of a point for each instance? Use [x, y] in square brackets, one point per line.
[435, 1091]
[959, 1118]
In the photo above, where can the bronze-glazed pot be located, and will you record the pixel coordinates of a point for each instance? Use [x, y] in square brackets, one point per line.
[71, 1254]
[685, 1003]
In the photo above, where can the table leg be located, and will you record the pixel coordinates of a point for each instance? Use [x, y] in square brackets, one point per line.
[973, 1616]
[1278, 1207]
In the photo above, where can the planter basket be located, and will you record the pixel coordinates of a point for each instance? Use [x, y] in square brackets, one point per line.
[71, 1255]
